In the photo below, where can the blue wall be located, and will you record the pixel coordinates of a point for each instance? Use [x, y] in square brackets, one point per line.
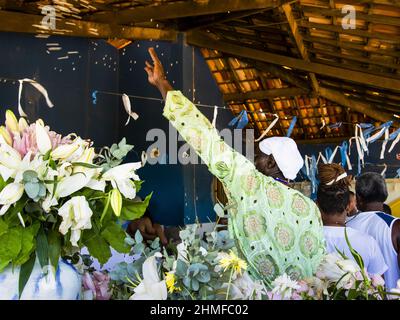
[180, 192]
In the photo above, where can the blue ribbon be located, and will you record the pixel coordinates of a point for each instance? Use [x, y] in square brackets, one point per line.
[313, 177]
[398, 173]
[94, 96]
[240, 121]
[394, 134]
[343, 151]
[328, 153]
[291, 127]
[384, 125]
[366, 125]
[335, 125]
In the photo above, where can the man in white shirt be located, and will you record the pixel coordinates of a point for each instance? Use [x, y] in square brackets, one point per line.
[333, 199]
[371, 193]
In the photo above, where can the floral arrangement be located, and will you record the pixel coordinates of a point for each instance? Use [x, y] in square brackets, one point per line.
[208, 267]
[202, 267]
[57, 195]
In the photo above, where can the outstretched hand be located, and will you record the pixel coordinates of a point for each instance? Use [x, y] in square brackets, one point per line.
[156, 74]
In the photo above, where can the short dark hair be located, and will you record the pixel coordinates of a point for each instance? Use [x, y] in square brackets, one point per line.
[387, 209]
[371, 187]
[332, 199]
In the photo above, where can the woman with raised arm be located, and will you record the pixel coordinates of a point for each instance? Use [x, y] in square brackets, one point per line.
[276, 228]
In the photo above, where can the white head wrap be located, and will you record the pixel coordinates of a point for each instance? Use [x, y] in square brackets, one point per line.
[286, 155]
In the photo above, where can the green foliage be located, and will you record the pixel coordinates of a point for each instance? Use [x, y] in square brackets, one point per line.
[11, 244]
[97, 246]
[27, 243]
[115, 236]
[42, 248]
[33, 187]
[25, 273]
[54, 241]
[132, 210]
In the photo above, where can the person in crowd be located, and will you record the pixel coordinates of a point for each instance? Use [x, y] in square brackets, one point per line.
[266, 217]
[148, 229]
[371, 193]
[387, 209]
[333, 199]
[353, 204]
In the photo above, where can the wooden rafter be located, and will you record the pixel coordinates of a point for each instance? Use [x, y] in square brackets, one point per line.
[204, 41]
[181, 9]
[264, 94]
[29, 23]
[287, 9]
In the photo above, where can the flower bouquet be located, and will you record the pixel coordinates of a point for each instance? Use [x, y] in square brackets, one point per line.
[201, 267]
[58, 195]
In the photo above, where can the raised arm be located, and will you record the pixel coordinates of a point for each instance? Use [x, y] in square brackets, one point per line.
[196, 129]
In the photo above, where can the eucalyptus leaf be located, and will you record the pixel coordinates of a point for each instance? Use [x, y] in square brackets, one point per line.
[32, 189]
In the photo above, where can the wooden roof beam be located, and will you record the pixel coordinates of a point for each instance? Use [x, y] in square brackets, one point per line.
[202, 40]
[177, 10]
[287, 9]
[264, 94]
[20, 22]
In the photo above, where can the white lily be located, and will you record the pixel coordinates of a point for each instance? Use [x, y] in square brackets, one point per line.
[151, 288]
[121, 176]
[42, 138]
[348, 265]
[64, 151]
[10, 194]
[22, 124]
[76, 215]
[70, 184]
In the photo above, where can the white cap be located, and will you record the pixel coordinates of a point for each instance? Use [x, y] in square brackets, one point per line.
[286, 155]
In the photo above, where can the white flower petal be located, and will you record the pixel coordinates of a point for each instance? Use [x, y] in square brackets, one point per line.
[42, 138]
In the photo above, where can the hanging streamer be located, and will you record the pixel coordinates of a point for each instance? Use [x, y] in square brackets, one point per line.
[383, 173]
[381, 131]
[330, 160]
[240, 121]
[343, 153]
[291, 127]
[323, 124]
[328, 153]
[394, 142]
[128, 108]
[94, 96]
[321, 156]
[269, 128]
[384, 143]
[335, 125]
[214, 121]
[38, 87]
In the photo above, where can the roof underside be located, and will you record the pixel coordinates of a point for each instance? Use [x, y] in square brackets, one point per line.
[267, 56]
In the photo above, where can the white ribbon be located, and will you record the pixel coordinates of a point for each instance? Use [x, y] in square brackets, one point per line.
[348, 162]
[269, 128]
[214, 121]
[384, 170]
[333, 155]
[376, 135]
[384, 143]
[128, 109]
[395, 141]
[39, 87]
[321, 156]
[362, 138]
[307, 165]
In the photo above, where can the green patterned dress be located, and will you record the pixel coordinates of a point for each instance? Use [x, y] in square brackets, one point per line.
[276, 228]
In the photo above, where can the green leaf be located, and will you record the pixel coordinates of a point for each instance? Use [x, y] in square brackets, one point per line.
[3, 227]
[85, 165]
[106, 206]
[4, 264]
[115, 236]
[138, 185]
[54, 240]
[132, 210]
[28, 243]
[97, 246]
[11, 244]
[42, 248]
[2, 183]
[25, 273]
